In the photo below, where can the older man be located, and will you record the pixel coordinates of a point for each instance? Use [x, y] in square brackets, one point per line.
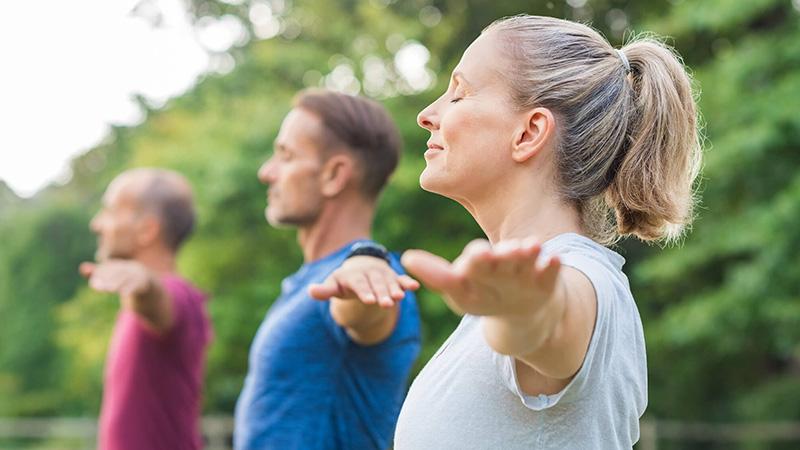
[155, 364]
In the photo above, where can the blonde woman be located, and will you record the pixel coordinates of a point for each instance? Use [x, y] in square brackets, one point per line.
[557, 144]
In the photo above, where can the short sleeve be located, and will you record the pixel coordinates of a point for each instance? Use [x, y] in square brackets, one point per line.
[179, 296]
[598, 354]
[190, 322]
[338, 333]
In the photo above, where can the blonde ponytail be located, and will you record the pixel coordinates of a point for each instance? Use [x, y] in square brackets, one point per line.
[652, 192]
[628, 143]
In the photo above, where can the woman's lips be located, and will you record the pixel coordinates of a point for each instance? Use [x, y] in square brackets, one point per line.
[433, 149]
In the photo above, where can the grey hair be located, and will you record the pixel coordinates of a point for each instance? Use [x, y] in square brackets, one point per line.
[167, 195]
[628, 146]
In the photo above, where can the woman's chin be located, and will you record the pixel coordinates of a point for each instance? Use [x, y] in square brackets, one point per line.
[433, 182]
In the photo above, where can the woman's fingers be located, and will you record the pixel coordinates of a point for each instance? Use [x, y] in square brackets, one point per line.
[475, 260]
[530, 251]
[547, 274]
[431, 270]
[508, 256]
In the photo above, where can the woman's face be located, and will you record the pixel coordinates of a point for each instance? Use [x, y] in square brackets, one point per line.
[472, 127]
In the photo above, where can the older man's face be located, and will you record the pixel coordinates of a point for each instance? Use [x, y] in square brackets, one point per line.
[117, 223]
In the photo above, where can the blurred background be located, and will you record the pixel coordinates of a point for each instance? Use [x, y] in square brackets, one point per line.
[90, 88]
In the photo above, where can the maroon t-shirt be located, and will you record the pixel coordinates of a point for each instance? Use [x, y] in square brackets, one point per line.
[151, 396]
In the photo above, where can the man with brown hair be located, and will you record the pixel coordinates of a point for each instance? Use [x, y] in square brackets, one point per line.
[155, 364]
[330, 374]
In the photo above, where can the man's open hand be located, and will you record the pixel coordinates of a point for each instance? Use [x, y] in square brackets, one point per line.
[126, 278]
[368, 279]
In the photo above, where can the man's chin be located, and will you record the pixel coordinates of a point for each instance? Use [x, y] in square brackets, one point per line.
[276, 220]
[282, 224]
[283, 221]
[105, 255]
[101, 256]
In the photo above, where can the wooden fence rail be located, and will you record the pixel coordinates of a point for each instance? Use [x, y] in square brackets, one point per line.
[79, 433]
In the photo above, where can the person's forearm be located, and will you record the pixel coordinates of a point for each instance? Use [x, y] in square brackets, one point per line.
[520, 334]
[366, 324]
[151, 305]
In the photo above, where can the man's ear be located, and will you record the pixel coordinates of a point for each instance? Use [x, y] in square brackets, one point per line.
[148, 230]
[534, 135]
[337, 172]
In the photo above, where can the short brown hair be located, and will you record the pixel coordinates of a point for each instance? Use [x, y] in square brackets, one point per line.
[363, 127]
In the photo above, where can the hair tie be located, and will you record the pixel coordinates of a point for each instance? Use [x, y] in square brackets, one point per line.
[624, 60]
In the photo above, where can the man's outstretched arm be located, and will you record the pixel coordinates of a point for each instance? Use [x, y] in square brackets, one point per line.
[140, 290]
[364, 294]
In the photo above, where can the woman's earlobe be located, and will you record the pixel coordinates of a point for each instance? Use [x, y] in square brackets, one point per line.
[524, 146]
[534, 135]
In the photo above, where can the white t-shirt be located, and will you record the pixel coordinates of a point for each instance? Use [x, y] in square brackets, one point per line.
[468, 396]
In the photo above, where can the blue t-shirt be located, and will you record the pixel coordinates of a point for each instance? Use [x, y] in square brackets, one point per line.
[309, 386]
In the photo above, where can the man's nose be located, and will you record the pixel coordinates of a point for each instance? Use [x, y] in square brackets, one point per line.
[266, 173]
[94, 224]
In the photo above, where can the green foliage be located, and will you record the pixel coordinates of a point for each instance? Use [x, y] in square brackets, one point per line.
[723, 311]
[41, 250]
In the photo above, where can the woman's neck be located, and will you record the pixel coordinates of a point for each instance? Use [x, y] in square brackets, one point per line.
[527, 211]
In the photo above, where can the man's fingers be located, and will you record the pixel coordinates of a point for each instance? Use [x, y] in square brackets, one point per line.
[395, 289]
[104, 284]
[432, 270]
[359, 285]
[407, 283]
[86, 269]
[325, 290]
[380, 288]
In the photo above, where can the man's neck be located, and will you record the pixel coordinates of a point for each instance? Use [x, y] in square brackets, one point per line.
[159, 260]
[337, 225]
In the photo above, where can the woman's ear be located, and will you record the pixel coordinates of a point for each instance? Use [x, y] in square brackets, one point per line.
[534, 135]
[337, 172]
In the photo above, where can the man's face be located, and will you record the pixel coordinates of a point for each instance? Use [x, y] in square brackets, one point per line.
[116, 223]
[293, 172]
